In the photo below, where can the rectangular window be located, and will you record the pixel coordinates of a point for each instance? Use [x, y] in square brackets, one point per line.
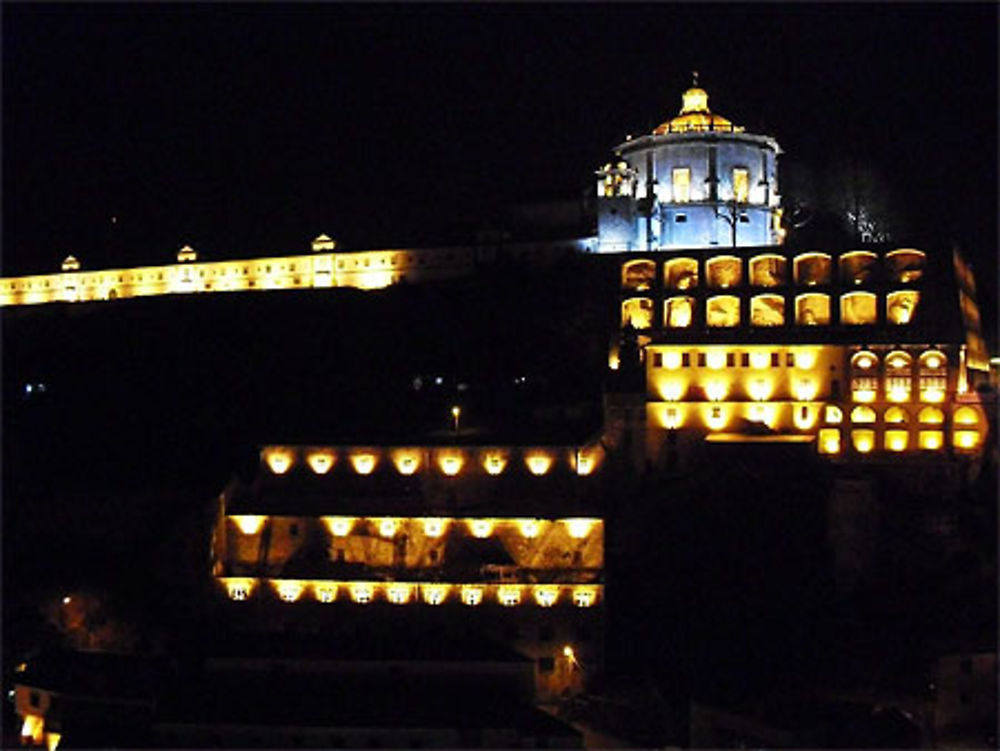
[682, 184]
[741, 185]
[746, 360]
[731, 360]
[701, 359]
[680, 218]
[686, 360]
[657, 360]
[775, 359]
[790, 359]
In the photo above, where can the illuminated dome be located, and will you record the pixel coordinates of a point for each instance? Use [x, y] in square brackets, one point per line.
[70, 264]
[695, 116]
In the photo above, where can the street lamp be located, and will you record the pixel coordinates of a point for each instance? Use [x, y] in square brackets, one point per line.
[456, 412]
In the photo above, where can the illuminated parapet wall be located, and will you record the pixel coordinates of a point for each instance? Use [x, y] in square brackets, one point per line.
[506, 540]
[867, 352]
[365, 270]
[696, 181]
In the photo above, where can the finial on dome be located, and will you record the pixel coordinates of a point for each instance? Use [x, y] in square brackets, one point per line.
[694, 79]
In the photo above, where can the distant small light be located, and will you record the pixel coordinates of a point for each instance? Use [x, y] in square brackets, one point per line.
[438, 381]
[67, 600]
[28, 388]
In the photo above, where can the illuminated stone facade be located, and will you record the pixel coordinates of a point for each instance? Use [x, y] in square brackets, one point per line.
[696, 181]
[505, 541]
[866, 352]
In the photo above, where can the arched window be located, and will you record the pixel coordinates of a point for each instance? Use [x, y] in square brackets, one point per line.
[767, 310]
[857, 308]
[722, 311]
[864, 376]
[812, 269]
[898, 378]
[638, 311]
[767, 271]
[905, 265]
[862, 414]
[680, 273]
[678, 312]
[931, 416]
[965, 416]
[896, 416]
[933, 374]
[900, 306]
[724, 272]
[638, 275]
[856, 267]
[812, 310]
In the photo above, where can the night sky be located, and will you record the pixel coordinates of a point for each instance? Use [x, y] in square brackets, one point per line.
[131, 129]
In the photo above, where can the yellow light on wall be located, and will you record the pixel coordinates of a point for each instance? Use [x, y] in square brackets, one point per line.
[509, 595]
[965, 416]
[388, 526]
[760, 360]
[52, 739]
[339, 526]
[829, 441]
[584, 597]
[864, 396]
[613, 360]
[579, 528]
[406, 461]
[279, 461]
[715, 359]
[672, 389]
[762, 413]
[760, 389]
[494, 462]
[931, 416]
[34, 728]
[805, 359]
[585, 464]
[673, 417]
[325, 591]
[864, 360]
[434, 594]
[481, 527]
[863, 415]
[546, 595]
[832, 414]
[450, 464]
[538, 463]
[363, 463]
[289, 591]
[320, 462]
[863, 440]
[472, 595]
[238, 589]
[805, 389]
[966, 439]
[804, 416]
[716, 389]
[671, 359]
[895, 416]
[932, 396]
[898, 393]
[361, 592]
[932, 360]
[249, 525]
[529, 528]
[435, 526]
[399, 593]
[896, 440]
[931, 440]
[715, 416]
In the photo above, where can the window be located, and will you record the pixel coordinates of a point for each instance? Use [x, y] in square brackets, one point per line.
[680, 218]
[724, 272]
[900, 306]
[745, 360]
[857, 267]
[812, 310]
[775, 359]
[723, 311]
[657, 359]
[730, 359]
[638, 275]
[741, 184]
[678, 312]
[905, 265]
[767, 271]
[638, 311]
[681, 183]
[680, 273]
[812, 269]
[686, 360]
[857, 308]
[767, 310]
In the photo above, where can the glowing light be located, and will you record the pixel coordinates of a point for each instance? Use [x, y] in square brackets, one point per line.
[865, 396]
[804, 416]
[388, 527]
[289, 591]
[406, 462]
[895, 416]
[896, 440]
[339, 526]
[715, 418]
[363, 463]
[864, 440]
[434, 594]
[760, 389]
[67, 600]
[672, 359]
[672, 389]
[33, 727]
[472, 595]
[361, 592]
[481, 527]
[584, 597]
[931, 440]
[528, 528]
[932, 360]
[760, 360]
[898, 393]
[320, 462]
[494, 463]
[278, 461]
[238, 589]
[399, 593]
[52, 740]
[715, 359]
[546, 596]
[569, 653]
[579, 528]
[829, 441]
[864, 360]
[897, 361]
[509, 595]
[965, 416]
[451, 464]
[672, 418]
[716, 390]
[249, 525]
[863, 415]
[805, 359]
[434, 527]
[762, 413]
[932, 396]
[325, 592]
[585, 464]
[931, 416]
[805, 389]
[613, 360]
[538, 464]
[966, 439]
